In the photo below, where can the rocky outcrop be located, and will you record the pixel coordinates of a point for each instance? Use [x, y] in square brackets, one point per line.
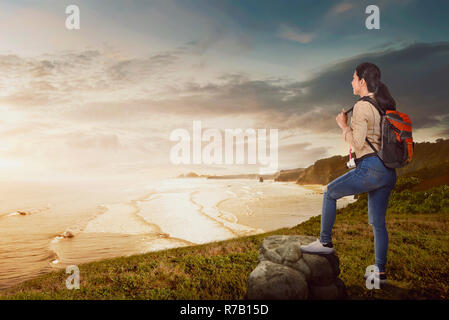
[68, 234]
[244, 176]
[284, 272]
[188, 175]
[288, 175]
[323, 171]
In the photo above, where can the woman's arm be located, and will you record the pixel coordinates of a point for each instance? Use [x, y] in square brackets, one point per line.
[355, 134]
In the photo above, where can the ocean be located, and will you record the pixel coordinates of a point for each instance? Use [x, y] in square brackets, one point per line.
[49, 226]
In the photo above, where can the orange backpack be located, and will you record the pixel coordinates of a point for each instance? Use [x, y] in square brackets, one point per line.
[396, 148]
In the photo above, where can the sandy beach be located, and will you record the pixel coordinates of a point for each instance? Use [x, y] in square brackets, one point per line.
[50, 226]
[318, 188]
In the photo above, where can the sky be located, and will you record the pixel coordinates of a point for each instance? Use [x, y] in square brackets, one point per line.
[104, 99]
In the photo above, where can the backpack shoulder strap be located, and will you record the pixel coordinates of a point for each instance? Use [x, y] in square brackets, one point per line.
[374, 103]
[370, 100]
[371, 145]
[382, 113]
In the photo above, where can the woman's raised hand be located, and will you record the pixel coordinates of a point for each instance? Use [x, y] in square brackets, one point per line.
[342, 119]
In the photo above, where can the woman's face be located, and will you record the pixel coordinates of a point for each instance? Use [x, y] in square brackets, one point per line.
[357, 84]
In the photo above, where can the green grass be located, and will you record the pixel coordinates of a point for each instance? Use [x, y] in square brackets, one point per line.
[417, 260]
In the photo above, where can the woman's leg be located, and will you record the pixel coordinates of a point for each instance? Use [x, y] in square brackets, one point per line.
[377, 208]
[348, 184]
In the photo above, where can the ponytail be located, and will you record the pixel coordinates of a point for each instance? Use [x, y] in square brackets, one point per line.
[384, 98]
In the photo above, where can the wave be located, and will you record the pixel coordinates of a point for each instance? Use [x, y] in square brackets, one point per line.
[114, 230]
[25, 212]
[225, 218]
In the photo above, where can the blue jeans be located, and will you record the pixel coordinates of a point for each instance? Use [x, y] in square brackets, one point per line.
[370, 176]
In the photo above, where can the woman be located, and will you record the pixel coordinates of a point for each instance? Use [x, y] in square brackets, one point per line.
[370, 175]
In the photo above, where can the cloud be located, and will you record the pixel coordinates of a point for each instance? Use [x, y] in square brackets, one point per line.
[300, 154]
[91, 140]
[415, 76]
[220, 38]
[137, 69]
[87, 109]
[70, 77]
[341, 8]
[87, 86]
[294, 34]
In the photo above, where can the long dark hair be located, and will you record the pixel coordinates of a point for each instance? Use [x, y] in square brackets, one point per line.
[371, 73]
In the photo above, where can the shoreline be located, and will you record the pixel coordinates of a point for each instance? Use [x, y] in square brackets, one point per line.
[171, 270]
[240, 228]
[314, 187]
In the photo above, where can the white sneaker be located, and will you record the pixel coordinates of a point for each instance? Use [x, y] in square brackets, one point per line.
[317, 247]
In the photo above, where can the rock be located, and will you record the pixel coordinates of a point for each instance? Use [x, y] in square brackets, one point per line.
[302, 267]
[285, 272]
[272, 281]
[329, 292]
[68, 234]
[270, 255]
[334, 291]
[334, 262]
[281, 248]
[191, 175]
[289, 252]
[322, 271]
[341, 288]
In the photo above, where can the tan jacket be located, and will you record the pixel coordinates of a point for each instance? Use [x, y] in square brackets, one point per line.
[365, 122]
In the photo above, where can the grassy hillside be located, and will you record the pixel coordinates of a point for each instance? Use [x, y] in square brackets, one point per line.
[417, 222]
[426, 154]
